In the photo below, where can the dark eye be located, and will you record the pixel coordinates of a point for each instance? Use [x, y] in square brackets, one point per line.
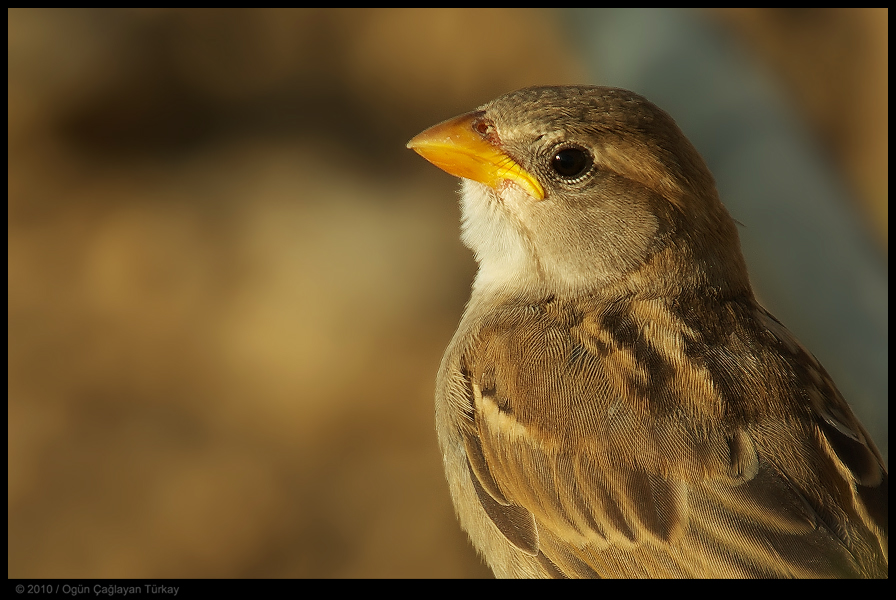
[570, 163]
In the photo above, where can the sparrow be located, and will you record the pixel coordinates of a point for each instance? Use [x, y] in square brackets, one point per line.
[615, 402]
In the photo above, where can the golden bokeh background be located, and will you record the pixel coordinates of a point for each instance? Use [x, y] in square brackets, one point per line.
[230, 285]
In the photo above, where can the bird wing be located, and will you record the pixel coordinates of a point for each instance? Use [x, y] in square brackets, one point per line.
[618, 440]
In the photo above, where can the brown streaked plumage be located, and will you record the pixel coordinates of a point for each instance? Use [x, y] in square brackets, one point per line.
[615, 403]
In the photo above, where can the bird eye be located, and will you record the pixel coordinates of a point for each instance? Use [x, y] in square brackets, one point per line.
[570, 163]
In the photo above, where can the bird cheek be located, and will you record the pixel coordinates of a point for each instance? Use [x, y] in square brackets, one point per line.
[515, 198]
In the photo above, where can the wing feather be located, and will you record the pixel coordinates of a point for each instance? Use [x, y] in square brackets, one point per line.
[582, 459]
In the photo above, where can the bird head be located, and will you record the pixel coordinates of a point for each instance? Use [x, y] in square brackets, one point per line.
[577, 189]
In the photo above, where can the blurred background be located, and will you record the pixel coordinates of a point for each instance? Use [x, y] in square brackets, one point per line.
[230, 285]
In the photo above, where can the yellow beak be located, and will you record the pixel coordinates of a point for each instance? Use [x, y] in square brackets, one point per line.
[455, 146]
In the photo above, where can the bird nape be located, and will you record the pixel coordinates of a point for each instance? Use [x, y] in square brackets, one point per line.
[615, 402]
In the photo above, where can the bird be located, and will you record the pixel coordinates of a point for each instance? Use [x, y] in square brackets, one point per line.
[615, 402]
